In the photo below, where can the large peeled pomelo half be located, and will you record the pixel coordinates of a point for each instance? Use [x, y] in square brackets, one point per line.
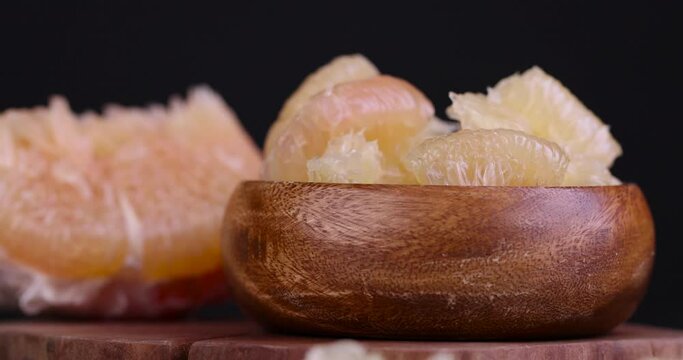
[130, 196]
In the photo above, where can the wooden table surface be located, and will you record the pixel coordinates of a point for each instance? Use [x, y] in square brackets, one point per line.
[243, 340]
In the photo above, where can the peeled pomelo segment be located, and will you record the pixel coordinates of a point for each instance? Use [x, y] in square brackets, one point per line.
[536, 103]
[41, 239]
[350, 349]
[42, 177]
[435, 127]
[345, 68]
[348, 159]
[589, 172]
[341, 69]
[172, 220]
[476, 111]
[191, 178]
[488, 158]
[135, 191]
[386, 109]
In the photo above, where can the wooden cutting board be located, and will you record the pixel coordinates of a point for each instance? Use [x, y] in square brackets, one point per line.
[242, 340]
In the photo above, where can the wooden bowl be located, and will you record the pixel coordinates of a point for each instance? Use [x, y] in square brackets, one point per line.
[438, 262]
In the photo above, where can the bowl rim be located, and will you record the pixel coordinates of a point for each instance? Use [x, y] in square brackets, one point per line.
[463, 187]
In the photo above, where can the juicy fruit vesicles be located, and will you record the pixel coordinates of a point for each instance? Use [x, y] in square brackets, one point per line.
[386, 109]
[347, 100]
[538, 104]
[348, 123]
[348, 158]
[488, 157]
[122, 208]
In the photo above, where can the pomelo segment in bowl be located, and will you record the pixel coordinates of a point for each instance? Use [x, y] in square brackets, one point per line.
[387, 109]
[348, 159]
[538, 104]
[347, 96]
[347, 123]
[131, 196]
[488, 158]
[345, 68]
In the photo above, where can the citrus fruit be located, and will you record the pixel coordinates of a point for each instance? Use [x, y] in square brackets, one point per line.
[536, 103]
[351, 158]
[344, 68]
[487, 158]
[348, 159]
[132, 192]
[345, 350]
[385, 109]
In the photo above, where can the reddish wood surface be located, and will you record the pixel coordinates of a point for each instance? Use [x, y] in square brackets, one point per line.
[144, 341]
[438, 262]
[233, 340]
[624, 343]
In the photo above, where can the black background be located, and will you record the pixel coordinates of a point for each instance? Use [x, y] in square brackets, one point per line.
[622, 59]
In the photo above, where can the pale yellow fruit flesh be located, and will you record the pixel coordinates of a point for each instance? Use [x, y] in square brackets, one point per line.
[488, 158]
[339, 112]
[536, 103]
[345, 68]
[386, 109]
[348, 159]
[140, 190]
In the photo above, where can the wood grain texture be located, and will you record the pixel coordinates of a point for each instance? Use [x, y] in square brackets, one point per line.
[627, 342]
[241, 340]
[430, 262]
[106, 340]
